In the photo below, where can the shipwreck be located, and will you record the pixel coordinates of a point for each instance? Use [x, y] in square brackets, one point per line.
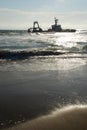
[54, 28]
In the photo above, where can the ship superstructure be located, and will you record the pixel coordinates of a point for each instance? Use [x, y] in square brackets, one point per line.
[54, 28]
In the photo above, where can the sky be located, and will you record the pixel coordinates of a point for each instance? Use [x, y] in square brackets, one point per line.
[20, 14]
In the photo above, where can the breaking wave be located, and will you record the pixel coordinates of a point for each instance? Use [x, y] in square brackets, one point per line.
[25, 54]
[19, 55]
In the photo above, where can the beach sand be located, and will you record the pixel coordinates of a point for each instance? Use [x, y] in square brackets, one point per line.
[28, 95]
[68, 118]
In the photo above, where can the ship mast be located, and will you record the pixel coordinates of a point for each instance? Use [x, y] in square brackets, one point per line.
[56, 21]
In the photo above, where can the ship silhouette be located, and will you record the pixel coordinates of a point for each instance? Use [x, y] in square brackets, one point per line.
[54, 28]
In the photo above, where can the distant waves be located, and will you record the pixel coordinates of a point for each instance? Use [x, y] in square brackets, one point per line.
[72, 117]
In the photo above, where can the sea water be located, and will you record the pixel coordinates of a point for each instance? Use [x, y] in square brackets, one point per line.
[40, 71]
[21, 41]
[18, 45]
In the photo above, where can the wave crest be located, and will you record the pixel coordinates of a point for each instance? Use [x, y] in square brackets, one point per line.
[19, 55]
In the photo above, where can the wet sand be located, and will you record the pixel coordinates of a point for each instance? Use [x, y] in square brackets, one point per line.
[27, 95]
[67, 118]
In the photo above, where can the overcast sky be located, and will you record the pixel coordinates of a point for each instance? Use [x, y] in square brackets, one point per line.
[20, 14]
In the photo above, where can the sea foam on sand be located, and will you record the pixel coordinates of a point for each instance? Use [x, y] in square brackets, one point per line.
[72, 117]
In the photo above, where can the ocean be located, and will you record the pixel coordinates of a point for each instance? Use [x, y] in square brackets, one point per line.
[39, 73]
[20, 45]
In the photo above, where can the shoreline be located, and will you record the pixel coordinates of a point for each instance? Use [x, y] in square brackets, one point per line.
[66, 118]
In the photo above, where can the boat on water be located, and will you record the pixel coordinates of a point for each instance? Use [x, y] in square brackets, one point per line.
[54, 28]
